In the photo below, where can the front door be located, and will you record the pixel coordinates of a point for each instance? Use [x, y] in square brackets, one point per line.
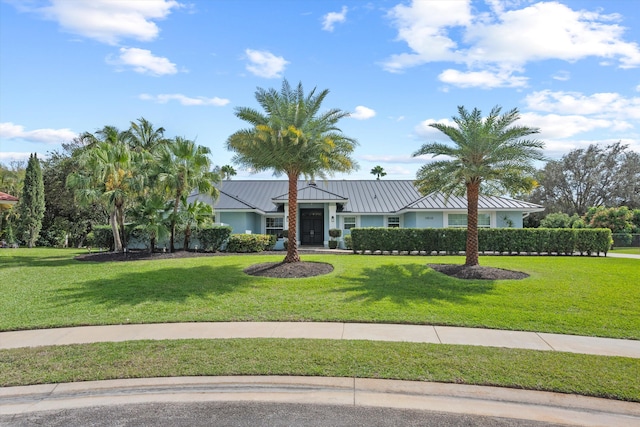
[312, 226]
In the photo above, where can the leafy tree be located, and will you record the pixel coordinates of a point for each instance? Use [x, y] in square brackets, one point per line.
[108, 176]
[595, 176]
[65, 222]
[184, 167]
[292, 138]
[31, 205]
[11, 180]
[618, 220]
[227, 171]
[378, 171]
[559, 220]
[488, 155]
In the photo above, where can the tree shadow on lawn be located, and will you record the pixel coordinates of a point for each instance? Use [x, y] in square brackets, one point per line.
[162, 285]
[402, 284]
[21, 260]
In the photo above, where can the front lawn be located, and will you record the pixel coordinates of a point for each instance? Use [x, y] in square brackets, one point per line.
[597, 296]
[632, 251]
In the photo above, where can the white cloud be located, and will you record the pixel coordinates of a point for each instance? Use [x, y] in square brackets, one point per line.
[424, 129]
[109, 21]
[265, 64]
[562, 76]
[330, 19]
[184, 100]
[483, 79]
[10, 156]
[9, 130]
[603, 105]
[362, 113]
[144, 62]
[555, 126]
[506, 37]
[391, 159]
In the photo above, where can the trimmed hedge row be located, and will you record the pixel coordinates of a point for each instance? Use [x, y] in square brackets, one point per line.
[249, 242]
[498, 240]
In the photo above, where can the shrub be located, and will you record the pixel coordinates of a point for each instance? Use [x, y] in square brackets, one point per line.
[212, 238]
[347, 241]
[248, 242]
[101, 236]
[335, 233]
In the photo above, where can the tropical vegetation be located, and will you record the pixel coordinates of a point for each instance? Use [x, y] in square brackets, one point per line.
[292, 137]
[488, 155]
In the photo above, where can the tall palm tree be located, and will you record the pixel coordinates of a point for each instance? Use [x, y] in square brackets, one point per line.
[151, 213]
[488, 155]
[292, 138]
[185, 167]
[378, 171]
[227, 171]
[108, 175]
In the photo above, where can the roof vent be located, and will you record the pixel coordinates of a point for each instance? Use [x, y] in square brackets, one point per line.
[312, 183]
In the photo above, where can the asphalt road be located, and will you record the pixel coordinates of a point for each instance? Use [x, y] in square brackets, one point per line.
[252, 414]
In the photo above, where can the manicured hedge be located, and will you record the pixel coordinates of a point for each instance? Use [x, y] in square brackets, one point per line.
[548, 241]
[212, 239]
[248, 243]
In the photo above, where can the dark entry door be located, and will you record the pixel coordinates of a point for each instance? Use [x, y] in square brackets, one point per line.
[312, 226]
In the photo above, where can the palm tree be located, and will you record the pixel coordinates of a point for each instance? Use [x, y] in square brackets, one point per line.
[227, 171]
[194, 215]
[292, 138]
[108, 175]
[488, 155]
[378, 171]
[143, 136]
[185, 167]
[151, 213]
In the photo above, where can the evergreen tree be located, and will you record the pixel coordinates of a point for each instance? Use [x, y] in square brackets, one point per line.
[31, 205]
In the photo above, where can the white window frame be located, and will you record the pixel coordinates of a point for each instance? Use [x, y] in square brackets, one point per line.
[489, 215]
[344, 222]
[394, 224]
[278, 230]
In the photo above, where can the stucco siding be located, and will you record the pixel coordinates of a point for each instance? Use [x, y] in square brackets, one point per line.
[429, 220]
[371, 221]
[506, 219]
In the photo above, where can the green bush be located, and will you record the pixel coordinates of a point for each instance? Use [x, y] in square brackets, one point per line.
[101, 236]
[348, 242]
[496, 240]
[248, 243]
[212, 238]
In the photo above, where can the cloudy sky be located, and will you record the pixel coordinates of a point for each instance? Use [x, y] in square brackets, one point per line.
[572, 68]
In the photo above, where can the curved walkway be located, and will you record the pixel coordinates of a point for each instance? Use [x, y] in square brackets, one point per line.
[18, 404]
[324, 330]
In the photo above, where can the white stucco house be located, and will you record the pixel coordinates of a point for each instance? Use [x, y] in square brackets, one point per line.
[261, 206]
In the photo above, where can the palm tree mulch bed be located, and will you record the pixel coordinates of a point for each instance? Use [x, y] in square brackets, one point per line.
[477, 272]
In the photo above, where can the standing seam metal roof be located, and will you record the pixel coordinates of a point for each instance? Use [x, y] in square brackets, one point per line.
[361, 196]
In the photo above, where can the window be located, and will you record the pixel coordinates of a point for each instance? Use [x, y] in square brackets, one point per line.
[348, 222]
[460, 220]
[275, 226]
[393, 222]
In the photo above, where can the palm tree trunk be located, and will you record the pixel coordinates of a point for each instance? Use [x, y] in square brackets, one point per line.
[292, 245]
[187, 237]
[473, 191]
[117, 243]
[173, 223]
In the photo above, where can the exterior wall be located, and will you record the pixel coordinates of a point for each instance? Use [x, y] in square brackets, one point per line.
[241, 221]
[505, 219]
[372, 221]
[429, 219]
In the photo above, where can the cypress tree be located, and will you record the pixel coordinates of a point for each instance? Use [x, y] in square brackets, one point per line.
[31, 206]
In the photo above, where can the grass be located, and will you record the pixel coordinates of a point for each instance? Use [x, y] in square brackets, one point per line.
[631, 251]
[608, 377]
[597, 296]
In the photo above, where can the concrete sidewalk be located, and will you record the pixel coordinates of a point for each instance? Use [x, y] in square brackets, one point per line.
[323, 330]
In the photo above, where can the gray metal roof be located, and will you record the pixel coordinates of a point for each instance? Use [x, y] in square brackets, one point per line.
[358, 196]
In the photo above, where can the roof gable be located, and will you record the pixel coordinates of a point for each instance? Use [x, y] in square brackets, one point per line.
[312, 192]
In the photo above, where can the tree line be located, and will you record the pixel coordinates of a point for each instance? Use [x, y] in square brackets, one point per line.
[113, 176]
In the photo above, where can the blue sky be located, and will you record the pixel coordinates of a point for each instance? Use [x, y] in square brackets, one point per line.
[572, 68]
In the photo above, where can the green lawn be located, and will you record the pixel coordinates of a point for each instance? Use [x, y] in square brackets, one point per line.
[632, 251]
[609, 377]
[576, 295]
[589, 296]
